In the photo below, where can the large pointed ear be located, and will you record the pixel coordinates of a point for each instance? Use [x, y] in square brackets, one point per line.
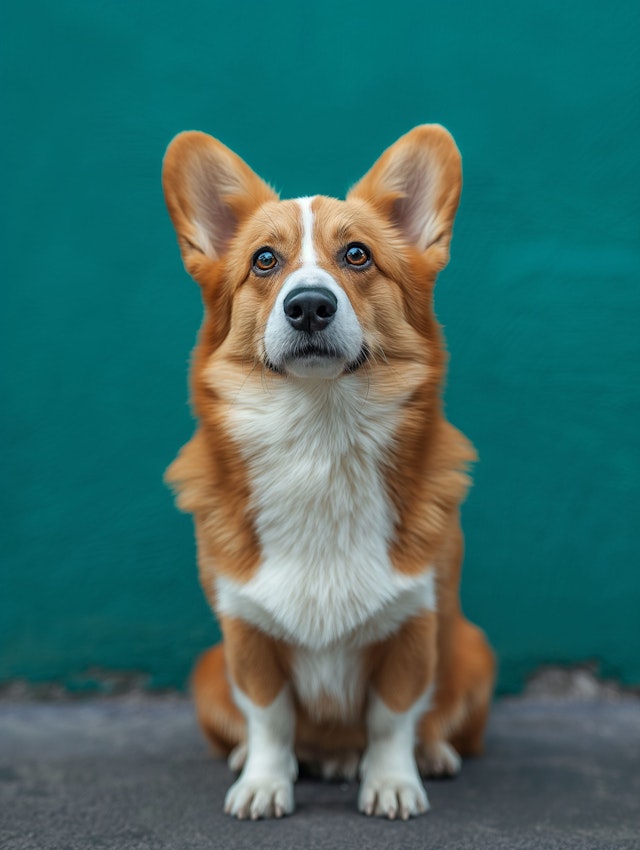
[416, 185]
[209, 191]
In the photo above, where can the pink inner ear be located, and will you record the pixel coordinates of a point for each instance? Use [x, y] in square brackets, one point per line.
[213, 219]
[214, 223]
[416, 179]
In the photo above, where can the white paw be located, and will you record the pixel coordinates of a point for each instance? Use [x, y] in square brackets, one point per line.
[393, 797]
[345, 766]
[264, 797]
[237, 757]
[438, 759]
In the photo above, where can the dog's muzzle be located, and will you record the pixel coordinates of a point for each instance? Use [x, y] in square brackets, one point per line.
[312, 330]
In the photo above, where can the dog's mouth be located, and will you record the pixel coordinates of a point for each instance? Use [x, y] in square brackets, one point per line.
[310, 356]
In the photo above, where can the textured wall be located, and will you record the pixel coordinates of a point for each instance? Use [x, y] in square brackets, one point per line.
[540, 302]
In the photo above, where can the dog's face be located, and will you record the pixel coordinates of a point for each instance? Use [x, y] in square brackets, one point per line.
[315, 287]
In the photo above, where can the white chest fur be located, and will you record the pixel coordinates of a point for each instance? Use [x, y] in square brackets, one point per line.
[322, 515]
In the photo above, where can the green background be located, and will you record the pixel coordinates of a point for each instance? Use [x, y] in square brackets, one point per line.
[540, 302]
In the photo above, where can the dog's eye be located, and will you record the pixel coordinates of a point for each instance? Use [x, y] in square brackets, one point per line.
[357, 255]
[264, 260]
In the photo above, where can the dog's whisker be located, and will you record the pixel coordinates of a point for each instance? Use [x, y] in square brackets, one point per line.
[234, 400]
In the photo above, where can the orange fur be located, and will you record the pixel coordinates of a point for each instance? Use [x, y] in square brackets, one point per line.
[425, 469]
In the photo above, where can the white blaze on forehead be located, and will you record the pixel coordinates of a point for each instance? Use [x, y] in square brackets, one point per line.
[308, 256]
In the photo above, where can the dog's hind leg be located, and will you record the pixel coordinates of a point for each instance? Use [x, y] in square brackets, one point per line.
[455, 724]
[219, 717]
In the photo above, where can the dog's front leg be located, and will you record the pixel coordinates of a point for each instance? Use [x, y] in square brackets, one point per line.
[265, 786]
[399, 695]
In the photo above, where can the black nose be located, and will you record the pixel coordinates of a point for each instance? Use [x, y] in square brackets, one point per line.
[309, 309]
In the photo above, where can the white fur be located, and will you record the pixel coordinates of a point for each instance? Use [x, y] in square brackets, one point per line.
[322, 514]
[265, 786]
[308, 254]
[335, 673]
[391, 784]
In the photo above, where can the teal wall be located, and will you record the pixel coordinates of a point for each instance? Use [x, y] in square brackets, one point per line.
[540, 303]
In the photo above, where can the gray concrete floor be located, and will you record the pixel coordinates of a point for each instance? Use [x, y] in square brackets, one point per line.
[133, 772]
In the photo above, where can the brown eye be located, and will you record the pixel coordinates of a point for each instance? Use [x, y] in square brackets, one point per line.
[357, 255]
[264, 260]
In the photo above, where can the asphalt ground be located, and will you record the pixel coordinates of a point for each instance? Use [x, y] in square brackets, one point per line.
[134, 772]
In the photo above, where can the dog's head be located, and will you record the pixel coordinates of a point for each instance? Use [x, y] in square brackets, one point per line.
[315, 287]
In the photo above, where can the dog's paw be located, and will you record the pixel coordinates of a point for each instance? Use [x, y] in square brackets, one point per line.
[237, 757]
[438, 759]
[393, 797]
[341, 767]
[264, 797]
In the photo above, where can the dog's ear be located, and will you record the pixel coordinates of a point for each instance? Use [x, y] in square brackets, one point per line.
[209, 191]
[416, 185]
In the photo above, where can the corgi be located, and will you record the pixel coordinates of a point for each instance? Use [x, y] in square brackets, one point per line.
[324, 479]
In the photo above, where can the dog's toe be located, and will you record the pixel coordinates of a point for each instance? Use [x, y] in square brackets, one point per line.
[438, 759]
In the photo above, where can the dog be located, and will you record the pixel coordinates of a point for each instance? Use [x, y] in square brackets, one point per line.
[324, 479]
